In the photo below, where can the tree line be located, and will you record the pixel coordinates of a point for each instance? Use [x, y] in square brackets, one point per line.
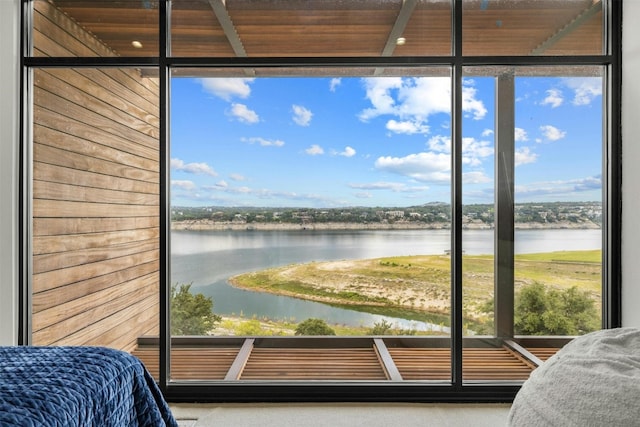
[543, 213]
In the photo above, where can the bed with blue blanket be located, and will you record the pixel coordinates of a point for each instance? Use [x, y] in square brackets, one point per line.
[78, 386]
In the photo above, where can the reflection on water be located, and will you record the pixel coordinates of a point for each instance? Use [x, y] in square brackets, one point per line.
[208, 258]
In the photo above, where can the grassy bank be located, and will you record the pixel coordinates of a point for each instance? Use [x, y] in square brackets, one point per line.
[265, 327]
[418, 287]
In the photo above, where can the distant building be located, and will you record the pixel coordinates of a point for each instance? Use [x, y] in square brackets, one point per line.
[395, 214]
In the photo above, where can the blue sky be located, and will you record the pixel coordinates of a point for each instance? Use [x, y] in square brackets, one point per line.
[340, 142]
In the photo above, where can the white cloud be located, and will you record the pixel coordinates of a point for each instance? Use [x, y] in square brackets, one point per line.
[472, 105]
[314, 150]
[393, 186]
[183, 184]
[424, 96]
[237, 177]
[195, 168]
[243, 113]
[476, 177]
[473, 150]
[440, 144]
[585, 89]
[301, 115]
[520, 135]
[227, 88]
[363, 195]
[554, 98]
[524, 155]
[560, 188]
[487, 132]
[263, 193]
[264, 142]
[334, 83]
[378, 92]
[348, 152]
[423, 167]
[413, 100]
[397, 187]
[240, 190]
[552, 133]
[407, 127]
[415, 189]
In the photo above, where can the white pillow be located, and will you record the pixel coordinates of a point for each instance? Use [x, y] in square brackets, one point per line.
[593, 381]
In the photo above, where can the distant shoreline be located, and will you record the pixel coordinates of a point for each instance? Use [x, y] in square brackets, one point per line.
[209, 225]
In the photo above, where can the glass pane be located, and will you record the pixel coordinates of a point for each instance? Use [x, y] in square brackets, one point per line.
[311, 205]
[95, 28]
[532, 27]
[95, 202]
[317, 28]
[538, 279]
[478, 202]
[478, 223]
[558, 265]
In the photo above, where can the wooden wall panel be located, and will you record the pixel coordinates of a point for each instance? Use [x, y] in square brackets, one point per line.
[95, 195]
[59, 295]
[115, 308]
[63, 34]
[56, 173]
[88, 134]
[52, 261]
[68, 278]
[54, 226]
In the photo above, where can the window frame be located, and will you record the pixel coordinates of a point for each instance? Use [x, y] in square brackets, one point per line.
[457, 390]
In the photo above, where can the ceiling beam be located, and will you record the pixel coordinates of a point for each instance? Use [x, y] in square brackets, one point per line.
[220, 9]
[398, 29]
[575, 23]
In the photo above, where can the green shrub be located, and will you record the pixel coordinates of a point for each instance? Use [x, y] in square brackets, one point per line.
[191, 314]
[380, 328]
[250, 328]
[314, 326]
[546, 311]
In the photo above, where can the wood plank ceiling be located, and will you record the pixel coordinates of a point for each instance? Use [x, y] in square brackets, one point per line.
[341, 28]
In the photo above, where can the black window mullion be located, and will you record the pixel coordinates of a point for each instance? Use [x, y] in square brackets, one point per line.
[24, 216]
[612, 173]
[165, 282]
[457, 321]
[504, 206]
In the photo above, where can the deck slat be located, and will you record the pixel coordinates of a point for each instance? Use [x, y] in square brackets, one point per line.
[315, 364]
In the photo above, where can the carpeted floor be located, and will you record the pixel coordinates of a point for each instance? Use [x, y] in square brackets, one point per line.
[341, 415]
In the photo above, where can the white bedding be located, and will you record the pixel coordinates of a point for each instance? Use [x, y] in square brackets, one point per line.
[593, 381]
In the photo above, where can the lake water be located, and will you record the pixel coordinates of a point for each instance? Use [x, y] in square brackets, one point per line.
[208, 258]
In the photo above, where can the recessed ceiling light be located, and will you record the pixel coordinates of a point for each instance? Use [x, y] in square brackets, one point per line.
[136, 44]
[400, 41]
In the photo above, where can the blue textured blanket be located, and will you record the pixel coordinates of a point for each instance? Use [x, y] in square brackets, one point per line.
[78, 386]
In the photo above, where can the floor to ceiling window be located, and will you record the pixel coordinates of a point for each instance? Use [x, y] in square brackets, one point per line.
[285, 200]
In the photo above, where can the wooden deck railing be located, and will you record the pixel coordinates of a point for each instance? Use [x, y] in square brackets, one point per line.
[349, 359]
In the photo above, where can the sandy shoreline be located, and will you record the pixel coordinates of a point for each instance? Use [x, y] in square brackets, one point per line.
[375, 284]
